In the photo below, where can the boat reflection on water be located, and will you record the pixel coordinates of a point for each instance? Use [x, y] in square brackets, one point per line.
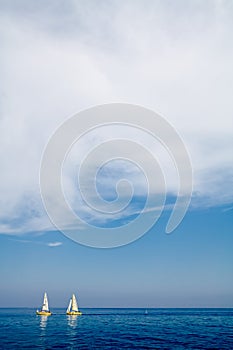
[72, 321]
[43, 322]
[43, 332]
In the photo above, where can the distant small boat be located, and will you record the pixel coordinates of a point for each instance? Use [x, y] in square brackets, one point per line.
[45, 307]
[73, 307]
[146, 312]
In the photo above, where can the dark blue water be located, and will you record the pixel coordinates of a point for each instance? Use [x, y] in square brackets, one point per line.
[118, 329]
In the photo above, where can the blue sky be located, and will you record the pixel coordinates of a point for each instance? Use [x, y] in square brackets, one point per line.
[61, 57]
[192, 267]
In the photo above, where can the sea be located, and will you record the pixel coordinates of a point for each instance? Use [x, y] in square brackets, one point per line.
[21, 328]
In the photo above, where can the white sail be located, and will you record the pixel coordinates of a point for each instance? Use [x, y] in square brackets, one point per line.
[69, 306]
[45, 306]
[74, 304]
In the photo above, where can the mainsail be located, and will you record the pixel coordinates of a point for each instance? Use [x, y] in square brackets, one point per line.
[74, 305]
[45, 306]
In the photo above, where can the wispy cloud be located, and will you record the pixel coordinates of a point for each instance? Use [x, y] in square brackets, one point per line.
[227, 209]
[43, 243]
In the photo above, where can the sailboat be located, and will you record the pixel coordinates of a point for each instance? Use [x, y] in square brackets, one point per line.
[73, 307]
[45, 307]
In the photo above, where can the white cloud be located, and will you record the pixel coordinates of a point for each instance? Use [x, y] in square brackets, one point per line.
[54, 244]
[50, 244]
[63, 57]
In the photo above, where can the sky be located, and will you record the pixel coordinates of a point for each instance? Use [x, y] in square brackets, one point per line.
[61, 57]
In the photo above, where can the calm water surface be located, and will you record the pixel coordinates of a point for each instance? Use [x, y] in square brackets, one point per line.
[118, 329]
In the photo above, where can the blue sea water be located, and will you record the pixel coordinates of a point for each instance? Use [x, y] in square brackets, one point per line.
[118, 329]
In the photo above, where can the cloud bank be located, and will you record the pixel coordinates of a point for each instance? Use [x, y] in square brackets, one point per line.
[59, 57]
